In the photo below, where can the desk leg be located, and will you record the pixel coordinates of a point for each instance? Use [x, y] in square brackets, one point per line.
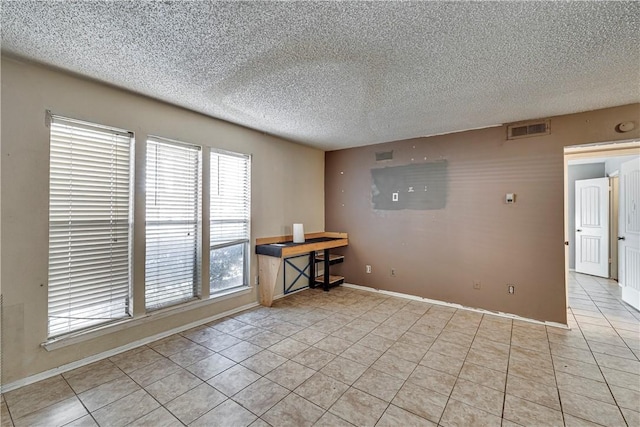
[312, 269]
[325, 285]
[268, 268]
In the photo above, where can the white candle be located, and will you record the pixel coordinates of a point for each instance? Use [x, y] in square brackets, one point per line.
[298, 233]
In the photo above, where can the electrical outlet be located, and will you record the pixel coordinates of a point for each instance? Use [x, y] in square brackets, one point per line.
[476, 284]
[367, 269]
[257, 280]
[511, 289]
[393, 272]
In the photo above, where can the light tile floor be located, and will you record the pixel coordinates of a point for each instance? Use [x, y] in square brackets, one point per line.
[350, 357]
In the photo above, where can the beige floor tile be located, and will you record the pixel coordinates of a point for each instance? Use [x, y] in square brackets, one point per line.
[585, 387]
[483, 376]
[417, 340]
[309, 336]
[172, 344]
[106, 393]
[293, 411]
[290, 374]
[533, 391]
[261, 396]
[86, 421]
[479, 396]
[191, 355]
[157, 418]
[622, 379]
[395, 416]
[92, 375]
[228, 413]
[154, 372]
[233, 380]
[626, 398]
[422, 402]
[207, 368]
[619, 363]
[259, 422]
[344, 370]
[485, 345]
[376, 342]
[241, 351]
[488, 360]
[457, 336]
[322, 390]
[33, 397]
[364, 324]
[245, 332]
[572, 353]
[220, 343]
[528, 413]
[399, 368]
[359, 408]
[632, 417]
[431, 379]
[533, 358]
[5, 417]
[379, 384]
[591, 409]
[314, 358]
[195, 403]
[173, 386]
[131, 360]
[265, 339]
[579, 369]
[524, 370]
[458, 414]
[126, 410]
[58, 414]
[389, 332]
[330, 420]
[350, 334]
[440, 362]
[571, 421]
[449, 349]
[201, 334]
[361, 354]
[263, 362]
[406, 351]
[612, 350]
[333, 344]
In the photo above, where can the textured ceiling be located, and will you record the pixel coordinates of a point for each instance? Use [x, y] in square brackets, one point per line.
[344, 74]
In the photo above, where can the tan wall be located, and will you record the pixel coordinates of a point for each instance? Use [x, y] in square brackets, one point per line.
[477, 237]
[279, 198]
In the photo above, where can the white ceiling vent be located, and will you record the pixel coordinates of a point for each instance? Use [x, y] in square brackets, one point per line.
[527, 129]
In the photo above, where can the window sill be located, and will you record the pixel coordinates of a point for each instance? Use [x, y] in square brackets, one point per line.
[118, 325]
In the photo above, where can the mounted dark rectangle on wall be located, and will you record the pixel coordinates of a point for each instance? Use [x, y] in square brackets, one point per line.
[416, 186]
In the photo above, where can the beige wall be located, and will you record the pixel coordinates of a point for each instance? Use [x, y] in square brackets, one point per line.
[279, 198]
[477, 237]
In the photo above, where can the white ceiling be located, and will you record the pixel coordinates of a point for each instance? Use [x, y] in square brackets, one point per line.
[345, 74]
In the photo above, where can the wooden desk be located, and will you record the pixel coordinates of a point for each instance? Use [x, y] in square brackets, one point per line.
[271, 251]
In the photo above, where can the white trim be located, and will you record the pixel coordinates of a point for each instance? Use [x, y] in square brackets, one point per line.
[454, 305]
[573, 270]
[109, 353]
[75, 338]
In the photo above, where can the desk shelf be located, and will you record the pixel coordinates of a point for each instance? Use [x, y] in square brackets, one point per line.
[333, 280]
[333, 259]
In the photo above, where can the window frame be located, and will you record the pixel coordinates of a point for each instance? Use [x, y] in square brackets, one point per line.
[83, 197]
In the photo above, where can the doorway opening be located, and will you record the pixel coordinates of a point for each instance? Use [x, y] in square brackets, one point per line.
[595, 239]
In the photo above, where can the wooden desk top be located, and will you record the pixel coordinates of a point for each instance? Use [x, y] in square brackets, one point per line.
[283, 246]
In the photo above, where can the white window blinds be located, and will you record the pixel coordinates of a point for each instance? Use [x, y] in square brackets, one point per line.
[173, 222]
[230, 212]
[89, 225]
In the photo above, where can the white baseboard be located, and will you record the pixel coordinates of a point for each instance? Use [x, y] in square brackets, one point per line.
[109, 353]
[457, 306]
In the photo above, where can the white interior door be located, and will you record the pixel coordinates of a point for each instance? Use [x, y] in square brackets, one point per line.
[629, 233]
[592, 226]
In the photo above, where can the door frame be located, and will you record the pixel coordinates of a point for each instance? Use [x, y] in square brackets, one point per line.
[588, 151]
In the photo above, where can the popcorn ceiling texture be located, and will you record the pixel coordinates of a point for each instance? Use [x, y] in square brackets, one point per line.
[345, 74]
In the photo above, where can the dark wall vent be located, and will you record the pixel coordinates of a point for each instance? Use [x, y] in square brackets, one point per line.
[527, 129]
[384, 155]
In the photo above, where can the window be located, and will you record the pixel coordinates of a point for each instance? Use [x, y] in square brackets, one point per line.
[89, 225]
[230, 211]
[173, 222]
